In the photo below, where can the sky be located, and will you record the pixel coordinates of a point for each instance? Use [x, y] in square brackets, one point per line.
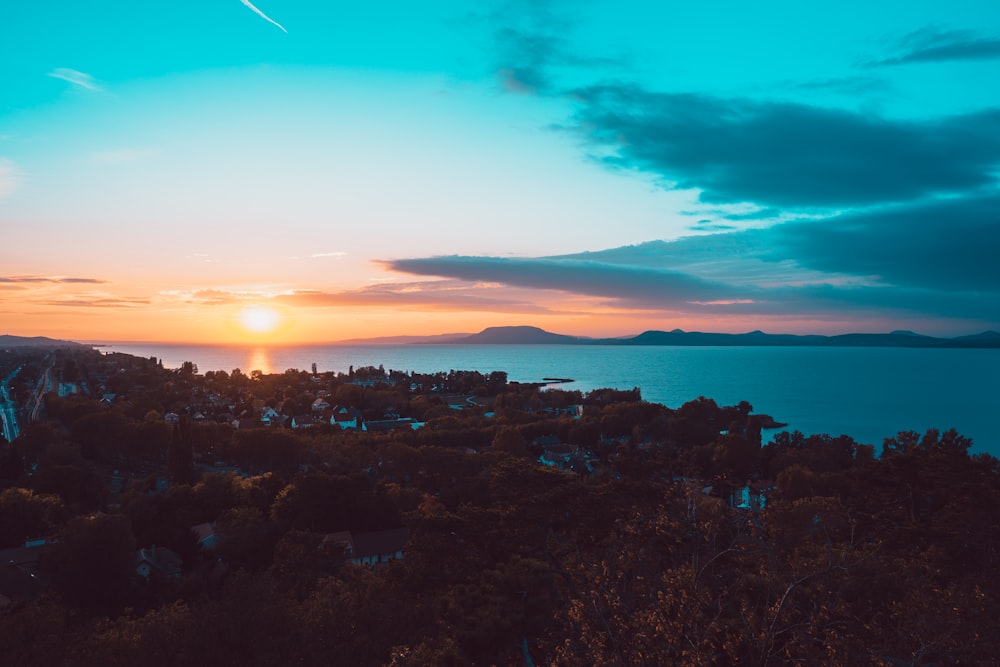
[287, 171]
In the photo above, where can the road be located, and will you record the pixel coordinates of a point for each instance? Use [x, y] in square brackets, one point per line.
[44, 386]
[8, 411]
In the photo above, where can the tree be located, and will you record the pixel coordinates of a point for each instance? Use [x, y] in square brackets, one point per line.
[24, 514]
[509, 439]
[92, 563]
[180, 454]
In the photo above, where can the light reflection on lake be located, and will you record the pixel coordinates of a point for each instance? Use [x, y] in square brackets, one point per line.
[258, 359]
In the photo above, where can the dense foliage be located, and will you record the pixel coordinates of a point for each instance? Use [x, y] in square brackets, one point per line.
[648, 557]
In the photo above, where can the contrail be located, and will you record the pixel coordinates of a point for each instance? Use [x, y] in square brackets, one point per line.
[263, 15]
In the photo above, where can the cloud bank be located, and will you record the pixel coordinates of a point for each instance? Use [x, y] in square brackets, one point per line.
[787, 155]
[917, 261]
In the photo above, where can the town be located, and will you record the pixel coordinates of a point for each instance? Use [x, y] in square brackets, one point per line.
[379, 516]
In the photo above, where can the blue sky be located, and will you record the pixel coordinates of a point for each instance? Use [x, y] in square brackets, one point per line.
[591, 167]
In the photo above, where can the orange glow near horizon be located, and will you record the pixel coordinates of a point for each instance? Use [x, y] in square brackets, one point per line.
[268, 325]
[249, 316]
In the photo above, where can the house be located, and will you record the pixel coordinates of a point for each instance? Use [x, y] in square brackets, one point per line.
[752, 496]
[320, 405]
[207, 537]
[303, 421]
[568, 457]
[557, 455]
[268, 415]
[382, 425]
[346, 418]
[159, 561]
[574, 411]
[380, 546]
[337, 544]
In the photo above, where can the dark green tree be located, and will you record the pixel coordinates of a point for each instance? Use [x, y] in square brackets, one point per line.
[180, 454]
[92, 563]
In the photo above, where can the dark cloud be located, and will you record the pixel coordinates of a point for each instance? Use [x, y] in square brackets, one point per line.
[759, 214]
[627, 283]
[931, 45]
[951, 244]
[787, 155]
[712, 226]
[930, 261]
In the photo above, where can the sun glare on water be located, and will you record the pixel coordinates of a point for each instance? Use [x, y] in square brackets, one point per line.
[259, 319]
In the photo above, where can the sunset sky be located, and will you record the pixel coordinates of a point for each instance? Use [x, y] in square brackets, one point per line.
[300, 171]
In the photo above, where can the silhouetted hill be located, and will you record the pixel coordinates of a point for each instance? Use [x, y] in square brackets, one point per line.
[694, 338]
[441, 339]
[519, 336]
[35, 341]
[760, 339]
[986, 336]
[527, 335]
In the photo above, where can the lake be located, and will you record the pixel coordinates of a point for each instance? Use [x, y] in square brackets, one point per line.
[866, 393]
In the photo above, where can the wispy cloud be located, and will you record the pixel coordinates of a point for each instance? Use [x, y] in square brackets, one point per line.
[423, 295]
[532, 42]
[96, 300]
[48, 279]
[122, 155]
[263, 15]
[9, 177]
[216, 296]
[319, 255]
[76, 77]
[930, 45]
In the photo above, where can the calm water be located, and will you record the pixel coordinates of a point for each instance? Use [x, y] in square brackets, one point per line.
[867, 393]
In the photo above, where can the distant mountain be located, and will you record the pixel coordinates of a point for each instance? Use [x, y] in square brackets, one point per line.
[986, 336]
[692, 338]
[521, 335]
[405, 340]
[35, 341]
[760, 339]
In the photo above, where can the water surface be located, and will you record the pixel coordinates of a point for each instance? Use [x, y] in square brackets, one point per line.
[867, 393]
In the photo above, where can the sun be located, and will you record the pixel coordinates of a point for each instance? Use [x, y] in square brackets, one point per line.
[259, 319]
